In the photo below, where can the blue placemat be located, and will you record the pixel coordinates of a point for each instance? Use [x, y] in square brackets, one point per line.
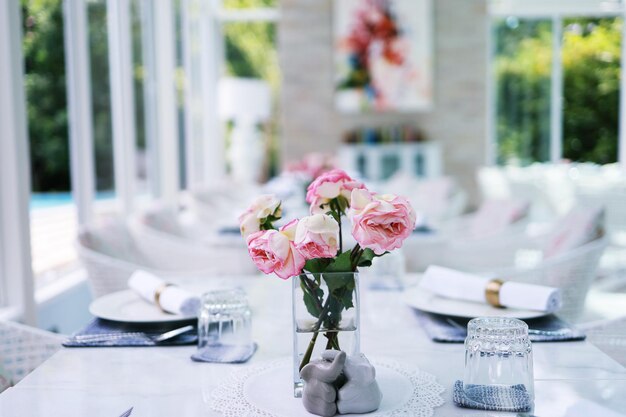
[229, 230]
[446, 329]
[225, 353]
[119, 334]
[513, 398]
[424, 229]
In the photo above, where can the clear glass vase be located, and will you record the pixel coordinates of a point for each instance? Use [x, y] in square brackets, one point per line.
[325, 316]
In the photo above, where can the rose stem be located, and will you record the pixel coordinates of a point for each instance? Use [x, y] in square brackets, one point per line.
[309, 351]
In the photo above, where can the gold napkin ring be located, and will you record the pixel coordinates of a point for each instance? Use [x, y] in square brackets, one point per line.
[492, 292]
[158, 292]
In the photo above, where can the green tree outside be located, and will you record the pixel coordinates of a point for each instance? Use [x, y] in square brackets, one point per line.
[591, 74]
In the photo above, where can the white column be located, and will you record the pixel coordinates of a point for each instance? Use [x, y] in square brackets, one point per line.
[621, 145]
[195, 157]
[16, 275]
[491, 148]
[122, 101]
[149, 94]
[556, 93]
[166, 133]
[80, 107]
[212, 58]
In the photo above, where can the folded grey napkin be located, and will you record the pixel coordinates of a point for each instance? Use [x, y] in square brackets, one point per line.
[225, 353]
[106, 333]
[550, 328]
[513, 398]
[229, 230]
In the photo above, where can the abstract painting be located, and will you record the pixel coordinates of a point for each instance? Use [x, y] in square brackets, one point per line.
[383, 55]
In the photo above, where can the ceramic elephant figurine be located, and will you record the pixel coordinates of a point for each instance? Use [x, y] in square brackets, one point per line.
[320, 394]
[340, 383]
[360, 393]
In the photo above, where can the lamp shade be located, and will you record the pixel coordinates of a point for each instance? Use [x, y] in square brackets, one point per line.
[244, 98]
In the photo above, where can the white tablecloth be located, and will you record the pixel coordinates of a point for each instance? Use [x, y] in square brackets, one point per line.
[163, 381]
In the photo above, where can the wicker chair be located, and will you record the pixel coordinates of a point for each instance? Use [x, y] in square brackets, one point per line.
[184, 242]
[610, 337]
[111, 254]
[219, 203]
[437, 199]
[455, 235]
[521, 259]
[22, 349]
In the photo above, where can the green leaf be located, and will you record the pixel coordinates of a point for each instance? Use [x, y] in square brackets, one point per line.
[313, 297]
[311, 305]
[367, 257]
[341, 263]
[338, 282]
[317, 265]
[341, 287]
[342, 204]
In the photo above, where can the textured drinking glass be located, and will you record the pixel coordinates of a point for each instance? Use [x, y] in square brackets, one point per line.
[224, 319]
[498, 353]
[387, 272]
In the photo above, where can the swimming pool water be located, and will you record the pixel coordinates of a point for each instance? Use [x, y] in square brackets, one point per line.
[46, 200]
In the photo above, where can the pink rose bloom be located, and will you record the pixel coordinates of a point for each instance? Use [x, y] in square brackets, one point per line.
[273, 251]
[317, 236]
[261, 208]
[329, 185]
[380, 222]
[312, 165]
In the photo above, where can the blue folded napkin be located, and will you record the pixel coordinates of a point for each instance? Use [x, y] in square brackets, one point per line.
[229, 230]
[444, 329]
[117, 334]
[424, 229]
[225, 353]
[514, 398]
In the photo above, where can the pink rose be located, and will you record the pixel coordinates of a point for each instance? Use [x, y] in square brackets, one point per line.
[273, 251]
[330, 185]
[317, 236]
[261, 208]
[312, 165]
[380, 222]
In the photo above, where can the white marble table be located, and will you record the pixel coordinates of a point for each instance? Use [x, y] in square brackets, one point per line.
[163, 381]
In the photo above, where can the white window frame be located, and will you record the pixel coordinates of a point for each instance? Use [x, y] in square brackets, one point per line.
[80, 112]
[204, 62]
[556, 11]
[16, 275]
[122, 102]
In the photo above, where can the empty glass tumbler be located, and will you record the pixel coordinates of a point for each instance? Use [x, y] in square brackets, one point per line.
[498, 354]
[225, 319]
[387, 272]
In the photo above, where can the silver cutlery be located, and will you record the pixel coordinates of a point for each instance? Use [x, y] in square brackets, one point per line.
[127, 413]
[115, 336]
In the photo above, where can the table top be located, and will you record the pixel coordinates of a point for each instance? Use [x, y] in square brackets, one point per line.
[163, 381]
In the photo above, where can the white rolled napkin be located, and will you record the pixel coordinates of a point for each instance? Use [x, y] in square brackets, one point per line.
[172, 299]
[459, 285]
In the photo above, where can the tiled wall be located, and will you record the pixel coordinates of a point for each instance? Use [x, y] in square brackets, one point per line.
[458, 120]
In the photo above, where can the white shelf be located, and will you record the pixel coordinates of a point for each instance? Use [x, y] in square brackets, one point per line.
[380, 161]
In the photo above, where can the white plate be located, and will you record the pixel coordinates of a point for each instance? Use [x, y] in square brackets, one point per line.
[127, 306]
[424, 300]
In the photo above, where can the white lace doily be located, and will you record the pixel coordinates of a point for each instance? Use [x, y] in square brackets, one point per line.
[266, 390]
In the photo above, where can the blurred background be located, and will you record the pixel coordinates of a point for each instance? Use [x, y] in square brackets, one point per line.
[196, 105]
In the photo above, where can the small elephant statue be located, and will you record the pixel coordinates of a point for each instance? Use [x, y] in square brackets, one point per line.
[360, 393]
[319, 394]
[340, 383]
